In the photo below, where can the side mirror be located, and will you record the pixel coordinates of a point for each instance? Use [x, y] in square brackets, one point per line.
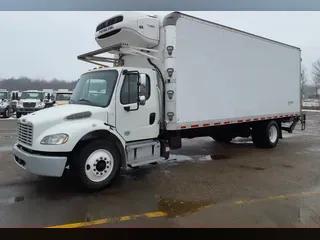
[143, 80]
[142, 100]
[142, 89]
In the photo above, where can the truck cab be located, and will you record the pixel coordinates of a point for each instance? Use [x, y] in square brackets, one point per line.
[112, 122]
[5, 107]
[48, 97]
[29, 102]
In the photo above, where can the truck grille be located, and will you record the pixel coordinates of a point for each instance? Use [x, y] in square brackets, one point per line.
[25, 133]
[26, 104]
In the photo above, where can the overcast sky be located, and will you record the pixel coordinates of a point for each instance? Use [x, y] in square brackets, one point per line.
[46, 44]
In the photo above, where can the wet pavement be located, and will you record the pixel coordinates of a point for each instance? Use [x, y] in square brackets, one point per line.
[203, 184]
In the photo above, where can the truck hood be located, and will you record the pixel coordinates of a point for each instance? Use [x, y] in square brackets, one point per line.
[30, 100]
[3, 102]
[56, 115]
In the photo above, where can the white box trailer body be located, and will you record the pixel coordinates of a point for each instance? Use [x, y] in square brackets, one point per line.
[226, 75]
[173, 77]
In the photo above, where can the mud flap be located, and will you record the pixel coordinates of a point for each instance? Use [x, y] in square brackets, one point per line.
[301, 118]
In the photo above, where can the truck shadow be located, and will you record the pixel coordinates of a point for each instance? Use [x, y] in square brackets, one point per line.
[67, 187]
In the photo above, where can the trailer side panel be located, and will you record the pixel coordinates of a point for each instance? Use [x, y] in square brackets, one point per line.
[224, 74]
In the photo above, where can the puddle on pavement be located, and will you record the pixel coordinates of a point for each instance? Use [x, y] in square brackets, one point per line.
[5, 148]
[287, 166]
[136, 174]
[313, 149]
[252, 168]
[176, 208]
[219, 157]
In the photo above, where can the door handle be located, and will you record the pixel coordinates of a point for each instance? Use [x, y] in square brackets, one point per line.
[152, 118]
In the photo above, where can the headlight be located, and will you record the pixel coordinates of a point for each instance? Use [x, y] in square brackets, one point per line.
[55, 139]
[40, 104]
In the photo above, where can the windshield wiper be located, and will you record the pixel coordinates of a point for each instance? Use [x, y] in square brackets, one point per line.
[85, 100]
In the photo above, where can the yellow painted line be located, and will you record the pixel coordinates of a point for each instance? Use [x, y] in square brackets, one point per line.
[164, 214]
[279, 197]
[111, 220]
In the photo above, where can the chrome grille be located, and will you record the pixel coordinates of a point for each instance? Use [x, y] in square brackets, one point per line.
[25, 133]
[28, 104]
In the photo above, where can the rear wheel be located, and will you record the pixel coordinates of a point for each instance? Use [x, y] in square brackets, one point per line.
[266, 135]
[96, 165]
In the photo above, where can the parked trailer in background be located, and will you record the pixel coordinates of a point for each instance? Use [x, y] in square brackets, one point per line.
[173, 77]
[62, 96]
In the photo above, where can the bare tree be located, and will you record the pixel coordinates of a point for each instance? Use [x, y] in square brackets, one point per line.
[25, 83]
[316, 75]
[304, 79]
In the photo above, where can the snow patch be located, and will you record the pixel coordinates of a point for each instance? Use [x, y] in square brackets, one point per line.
[310, 110]
[11, 118]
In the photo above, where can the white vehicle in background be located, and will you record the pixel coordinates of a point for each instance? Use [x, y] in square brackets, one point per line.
[29, 102]
[173, 77]
[15, 95]
[5, 107]
[48, 97]
[62, 97]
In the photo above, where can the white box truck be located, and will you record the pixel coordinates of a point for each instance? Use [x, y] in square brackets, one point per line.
[172, 77]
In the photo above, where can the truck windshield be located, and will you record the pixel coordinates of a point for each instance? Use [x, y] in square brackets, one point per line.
[31, 95]
[3, 95]
[95, 88]
[63, 96]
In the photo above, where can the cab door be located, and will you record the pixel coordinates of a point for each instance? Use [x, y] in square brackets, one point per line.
[133, 121]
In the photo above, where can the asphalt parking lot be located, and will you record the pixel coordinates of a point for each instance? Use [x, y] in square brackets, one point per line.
[204, 184]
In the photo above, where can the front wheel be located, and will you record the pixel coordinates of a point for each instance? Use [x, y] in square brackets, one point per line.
[96, 165]
[6, 113]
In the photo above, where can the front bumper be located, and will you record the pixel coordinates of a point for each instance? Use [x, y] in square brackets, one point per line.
[27, 110]
[51, 166]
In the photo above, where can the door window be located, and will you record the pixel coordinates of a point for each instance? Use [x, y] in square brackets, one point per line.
[128, 94]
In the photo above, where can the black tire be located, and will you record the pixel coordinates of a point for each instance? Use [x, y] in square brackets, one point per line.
[79, 165]
[261, 136]
[18, 115]
[6, 113]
